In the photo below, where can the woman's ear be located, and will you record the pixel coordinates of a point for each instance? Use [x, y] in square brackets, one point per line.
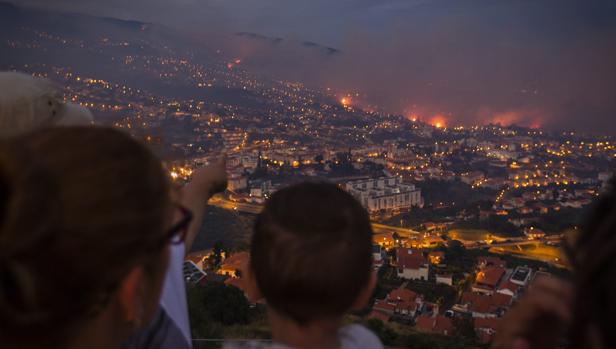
[252, 289]
[363, 298]
[130, 297]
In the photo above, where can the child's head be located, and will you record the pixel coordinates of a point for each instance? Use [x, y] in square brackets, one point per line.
[311, 252]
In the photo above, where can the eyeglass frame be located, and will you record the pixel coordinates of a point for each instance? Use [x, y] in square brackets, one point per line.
[180, 228]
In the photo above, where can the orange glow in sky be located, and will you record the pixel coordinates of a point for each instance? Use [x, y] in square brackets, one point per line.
[438, 121]
[345, 101]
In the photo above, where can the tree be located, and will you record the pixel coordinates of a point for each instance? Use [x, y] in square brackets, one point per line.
[224, 304]
[384, 332]
[396, 236]
[216, 258]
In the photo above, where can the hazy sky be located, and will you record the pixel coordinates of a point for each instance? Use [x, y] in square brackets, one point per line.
[548, 62]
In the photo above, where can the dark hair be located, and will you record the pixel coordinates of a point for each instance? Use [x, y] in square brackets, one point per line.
[593, 257]
[79, 207]
[311, 251]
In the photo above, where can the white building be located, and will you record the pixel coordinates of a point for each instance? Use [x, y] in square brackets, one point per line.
[446, 279]
[238, 182]
[385, 193]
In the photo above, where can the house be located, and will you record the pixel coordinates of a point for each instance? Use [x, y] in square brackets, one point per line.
[234, 263]
[384, 306]
[197, 260]
[485, 328]
[521, 276]
[509, 288]
[486, 306]
[237, 182]
[534, 233]
[407, 301]
[446, 279]
[438, 325]
[411, 264]
[488, 280]
[192, 273]
[525, 210]
[400, 301]
[377, 256]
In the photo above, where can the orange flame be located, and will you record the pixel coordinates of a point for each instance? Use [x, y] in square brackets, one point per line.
[438, 121]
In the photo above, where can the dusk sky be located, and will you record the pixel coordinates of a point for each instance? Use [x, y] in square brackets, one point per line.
[532, 62]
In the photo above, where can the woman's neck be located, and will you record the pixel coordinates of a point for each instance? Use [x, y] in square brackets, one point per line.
[322, 334]
[102, 332]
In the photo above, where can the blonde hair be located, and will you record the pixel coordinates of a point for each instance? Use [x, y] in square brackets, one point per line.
[28, 103]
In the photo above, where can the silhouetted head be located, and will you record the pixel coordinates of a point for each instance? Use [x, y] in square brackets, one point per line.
[593, 257]
[84, 217]
[311, 252]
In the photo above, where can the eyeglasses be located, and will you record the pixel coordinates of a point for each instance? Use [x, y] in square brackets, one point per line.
[177, 233]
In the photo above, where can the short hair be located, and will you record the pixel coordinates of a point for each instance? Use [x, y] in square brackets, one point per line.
[311, 251]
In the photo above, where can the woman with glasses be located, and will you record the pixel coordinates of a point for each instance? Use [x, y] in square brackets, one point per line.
[86, 224]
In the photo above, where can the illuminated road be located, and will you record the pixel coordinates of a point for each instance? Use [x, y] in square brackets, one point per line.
[256, 208]
[512, 246]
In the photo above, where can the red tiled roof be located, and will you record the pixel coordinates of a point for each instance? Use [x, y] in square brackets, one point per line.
[424, 324]
[407, 305]
[486, 304]
[409, 258]
[237, 260]
[382, 304]
[443, 325]
[469, 297]
[402, 294]
[501, 300]
[490, 276]
[438, 324]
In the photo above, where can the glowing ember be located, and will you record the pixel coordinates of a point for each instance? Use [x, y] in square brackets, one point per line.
[345, 101]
